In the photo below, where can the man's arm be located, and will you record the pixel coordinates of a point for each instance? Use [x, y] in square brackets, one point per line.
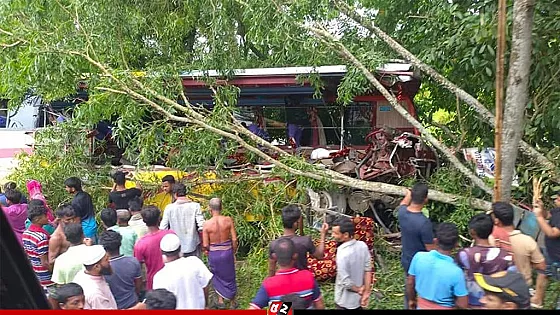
[548, 229]
[427, 235]
[138, 284]
[551, 232]
[45, 262]
[537, 259]
[206, 297]
[205, 241]
[233, 233]
[462, 302]
[407, 198]
[364, 302]
[260, 300]
[54, 248]
[319, 252]
[411, 291]
[199, 218]
[164, 224]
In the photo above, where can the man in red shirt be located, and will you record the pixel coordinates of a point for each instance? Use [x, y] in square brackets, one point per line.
[36, 244]
[147, 249]
[288, 280]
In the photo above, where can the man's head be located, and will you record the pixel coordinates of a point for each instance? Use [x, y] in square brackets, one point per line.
[73, 185]
[65, 214]
[74, 233]
[37, 212]
[285, 252]
[556, 198]
[179, 190]
[13, 196]
[170, 246]
[298, 303]
[290, 216]
[70, 296]
[419, 194]
[119, 178]
[504, 290]
[135, 205]
[502, 213]
[150, 215]
[481, 226]
[123, 215]
[9, 186]
[447, 236]
[109, 217]
[160, 299]
[343, 229]
[111, 241]
[96, 261]
[215, 204]
[167, 183]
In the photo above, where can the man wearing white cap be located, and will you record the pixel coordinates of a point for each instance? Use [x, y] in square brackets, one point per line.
[186, 277]
[97, 293]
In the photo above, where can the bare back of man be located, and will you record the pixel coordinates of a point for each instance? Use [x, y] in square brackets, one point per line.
[219, 240]
[57, 243]
[219, 229]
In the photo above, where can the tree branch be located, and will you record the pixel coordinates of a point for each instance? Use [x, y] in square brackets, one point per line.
[403, 112]
[485, 114]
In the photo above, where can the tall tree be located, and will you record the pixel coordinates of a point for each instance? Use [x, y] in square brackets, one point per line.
[517, 93]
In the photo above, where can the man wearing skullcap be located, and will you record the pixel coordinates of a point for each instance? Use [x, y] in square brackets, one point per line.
[186, 277]
[97, 293]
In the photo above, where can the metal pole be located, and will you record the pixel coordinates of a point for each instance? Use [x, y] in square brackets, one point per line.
[502, 22]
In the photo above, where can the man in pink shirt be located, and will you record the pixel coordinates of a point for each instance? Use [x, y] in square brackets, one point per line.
[15, 212]
[147, 249]
[98, 295]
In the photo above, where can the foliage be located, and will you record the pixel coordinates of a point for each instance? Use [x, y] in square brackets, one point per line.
[55, 160]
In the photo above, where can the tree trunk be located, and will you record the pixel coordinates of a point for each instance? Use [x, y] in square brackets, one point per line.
[483, 112]
[517, 93]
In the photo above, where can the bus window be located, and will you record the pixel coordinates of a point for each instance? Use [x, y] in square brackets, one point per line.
[3, 113]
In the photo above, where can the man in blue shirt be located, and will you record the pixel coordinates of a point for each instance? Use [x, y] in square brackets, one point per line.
[416, 229]
[434, 280]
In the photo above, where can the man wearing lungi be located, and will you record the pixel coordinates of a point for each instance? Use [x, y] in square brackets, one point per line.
[219, 241]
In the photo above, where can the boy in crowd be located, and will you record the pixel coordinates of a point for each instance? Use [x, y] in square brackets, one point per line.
[70, 297]
[482, 257]
[434, 280]
[503, 291]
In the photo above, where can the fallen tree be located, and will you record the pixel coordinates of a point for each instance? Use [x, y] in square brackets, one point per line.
[485, 115]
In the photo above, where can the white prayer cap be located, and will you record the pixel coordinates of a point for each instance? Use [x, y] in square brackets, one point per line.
[93, 254]
[170, 243]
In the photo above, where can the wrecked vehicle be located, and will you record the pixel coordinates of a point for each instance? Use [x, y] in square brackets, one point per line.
[367, 138]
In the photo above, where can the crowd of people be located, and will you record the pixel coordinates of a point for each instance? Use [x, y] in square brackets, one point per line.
[150, 256]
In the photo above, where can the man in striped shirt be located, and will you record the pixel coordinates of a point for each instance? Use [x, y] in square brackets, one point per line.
[36, 243]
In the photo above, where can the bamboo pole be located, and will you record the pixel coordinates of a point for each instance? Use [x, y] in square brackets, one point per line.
[499, 99]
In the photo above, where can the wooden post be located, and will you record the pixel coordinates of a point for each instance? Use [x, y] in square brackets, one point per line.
[501, 39]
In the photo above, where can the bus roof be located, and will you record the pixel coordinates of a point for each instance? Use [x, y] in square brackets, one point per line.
[401, 69]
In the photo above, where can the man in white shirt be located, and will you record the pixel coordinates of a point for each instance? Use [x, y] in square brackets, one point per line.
[97, 293]
[68, 264]
[185, 218]
[186, 277]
